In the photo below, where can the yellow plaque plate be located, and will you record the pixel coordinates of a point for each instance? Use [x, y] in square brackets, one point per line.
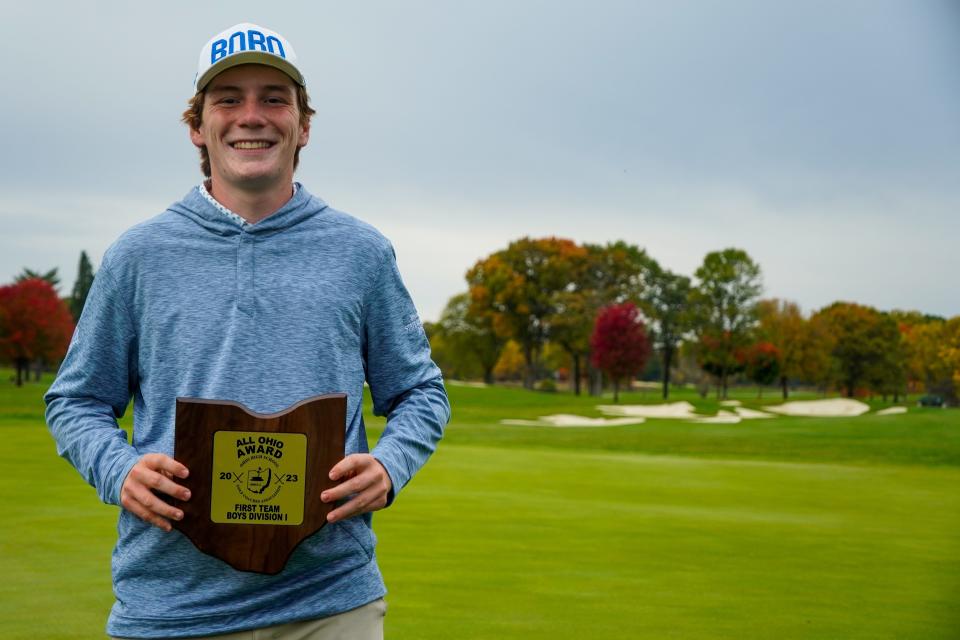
[258, 477]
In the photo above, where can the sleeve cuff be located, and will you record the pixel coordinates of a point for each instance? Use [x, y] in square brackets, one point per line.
[113, 494]
[386, 457]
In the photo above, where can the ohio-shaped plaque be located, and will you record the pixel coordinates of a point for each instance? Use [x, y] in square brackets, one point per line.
[255, 479]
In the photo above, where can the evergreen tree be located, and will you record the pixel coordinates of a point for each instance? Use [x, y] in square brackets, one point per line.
[50, 276]
[82, 286]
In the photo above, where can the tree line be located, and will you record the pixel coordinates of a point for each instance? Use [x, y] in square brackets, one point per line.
[531, 311]
[544, 308]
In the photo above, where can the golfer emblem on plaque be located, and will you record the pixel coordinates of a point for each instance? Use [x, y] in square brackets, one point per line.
[256, 479]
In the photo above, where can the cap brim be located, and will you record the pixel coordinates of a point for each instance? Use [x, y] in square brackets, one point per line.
[250, 57]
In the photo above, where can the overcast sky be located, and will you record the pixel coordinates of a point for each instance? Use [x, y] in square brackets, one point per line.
[821, 137]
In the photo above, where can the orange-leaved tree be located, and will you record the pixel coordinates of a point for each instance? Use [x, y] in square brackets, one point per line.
[782, 324]
[518, 287]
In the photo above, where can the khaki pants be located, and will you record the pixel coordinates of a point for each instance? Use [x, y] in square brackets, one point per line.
[362, 623]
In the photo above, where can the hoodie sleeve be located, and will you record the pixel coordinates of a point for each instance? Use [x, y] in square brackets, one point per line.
[406, 385]
[93, 389]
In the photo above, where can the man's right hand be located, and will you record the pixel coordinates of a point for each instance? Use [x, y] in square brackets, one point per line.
[152, 473]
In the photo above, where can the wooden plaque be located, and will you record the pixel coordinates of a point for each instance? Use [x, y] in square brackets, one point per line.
[255, 479]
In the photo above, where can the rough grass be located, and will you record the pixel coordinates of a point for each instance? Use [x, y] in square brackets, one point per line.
[785, 528]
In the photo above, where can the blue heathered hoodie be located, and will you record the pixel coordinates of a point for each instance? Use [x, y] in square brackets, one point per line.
[305, 302]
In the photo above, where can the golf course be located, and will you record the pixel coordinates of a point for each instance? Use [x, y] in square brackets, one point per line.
[787, 528]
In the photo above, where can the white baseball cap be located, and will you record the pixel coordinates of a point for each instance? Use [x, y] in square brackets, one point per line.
[246, 43]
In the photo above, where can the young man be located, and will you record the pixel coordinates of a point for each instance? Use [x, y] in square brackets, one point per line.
[253, 290]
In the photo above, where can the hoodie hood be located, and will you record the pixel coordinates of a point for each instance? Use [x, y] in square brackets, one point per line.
[302, 206]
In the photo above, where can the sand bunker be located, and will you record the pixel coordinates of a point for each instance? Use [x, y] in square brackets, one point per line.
[670, 410]
[831, 408]
[637, 413]
[751, 414]
[568, 420]
[684, 411]
[892, 411]
[722, 417]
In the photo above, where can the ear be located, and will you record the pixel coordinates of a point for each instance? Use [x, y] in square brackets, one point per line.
[304, 135]
[197, 138]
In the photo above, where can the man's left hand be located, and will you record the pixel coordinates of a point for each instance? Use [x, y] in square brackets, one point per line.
[365, 479]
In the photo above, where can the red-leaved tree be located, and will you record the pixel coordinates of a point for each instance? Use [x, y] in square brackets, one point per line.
[34, 324]
[762, 362]
[720, 358]
[619, 344]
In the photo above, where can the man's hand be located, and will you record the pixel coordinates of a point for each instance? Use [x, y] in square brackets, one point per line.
[153, 471]
[363, 477]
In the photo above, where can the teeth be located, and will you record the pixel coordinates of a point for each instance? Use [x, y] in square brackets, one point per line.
[251, 145]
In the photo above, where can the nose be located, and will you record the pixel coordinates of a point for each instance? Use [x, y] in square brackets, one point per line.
[251, 114]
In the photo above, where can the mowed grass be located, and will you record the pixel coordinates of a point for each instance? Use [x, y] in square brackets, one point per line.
[925, 436]
[783, 528]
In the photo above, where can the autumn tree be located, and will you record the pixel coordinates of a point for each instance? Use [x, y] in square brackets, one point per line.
[723, 305]
[34, 324]
[949, 369]
[81, 287]
[887, 374]
[716, 357]
[922, 343]
[619, 343]
[762, 364]
[571, 324]
[781, 323]
[469, 338]
[817, 365]
[618, 272]
[921, 338]
[859, 340]
[607, 274]
[510, 365]
[932, 349]
[517, 289]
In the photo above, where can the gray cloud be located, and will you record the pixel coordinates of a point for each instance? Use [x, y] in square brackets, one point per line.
[821, 137]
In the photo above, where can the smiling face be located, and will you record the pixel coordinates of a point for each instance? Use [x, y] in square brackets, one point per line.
[251, 128]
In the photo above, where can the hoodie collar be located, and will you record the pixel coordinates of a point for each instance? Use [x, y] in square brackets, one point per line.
[198, 207]
[237, 218]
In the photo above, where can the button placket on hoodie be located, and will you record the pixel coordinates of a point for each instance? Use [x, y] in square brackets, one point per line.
[245, 269]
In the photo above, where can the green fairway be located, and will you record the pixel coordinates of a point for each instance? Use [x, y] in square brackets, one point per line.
[782, 528]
